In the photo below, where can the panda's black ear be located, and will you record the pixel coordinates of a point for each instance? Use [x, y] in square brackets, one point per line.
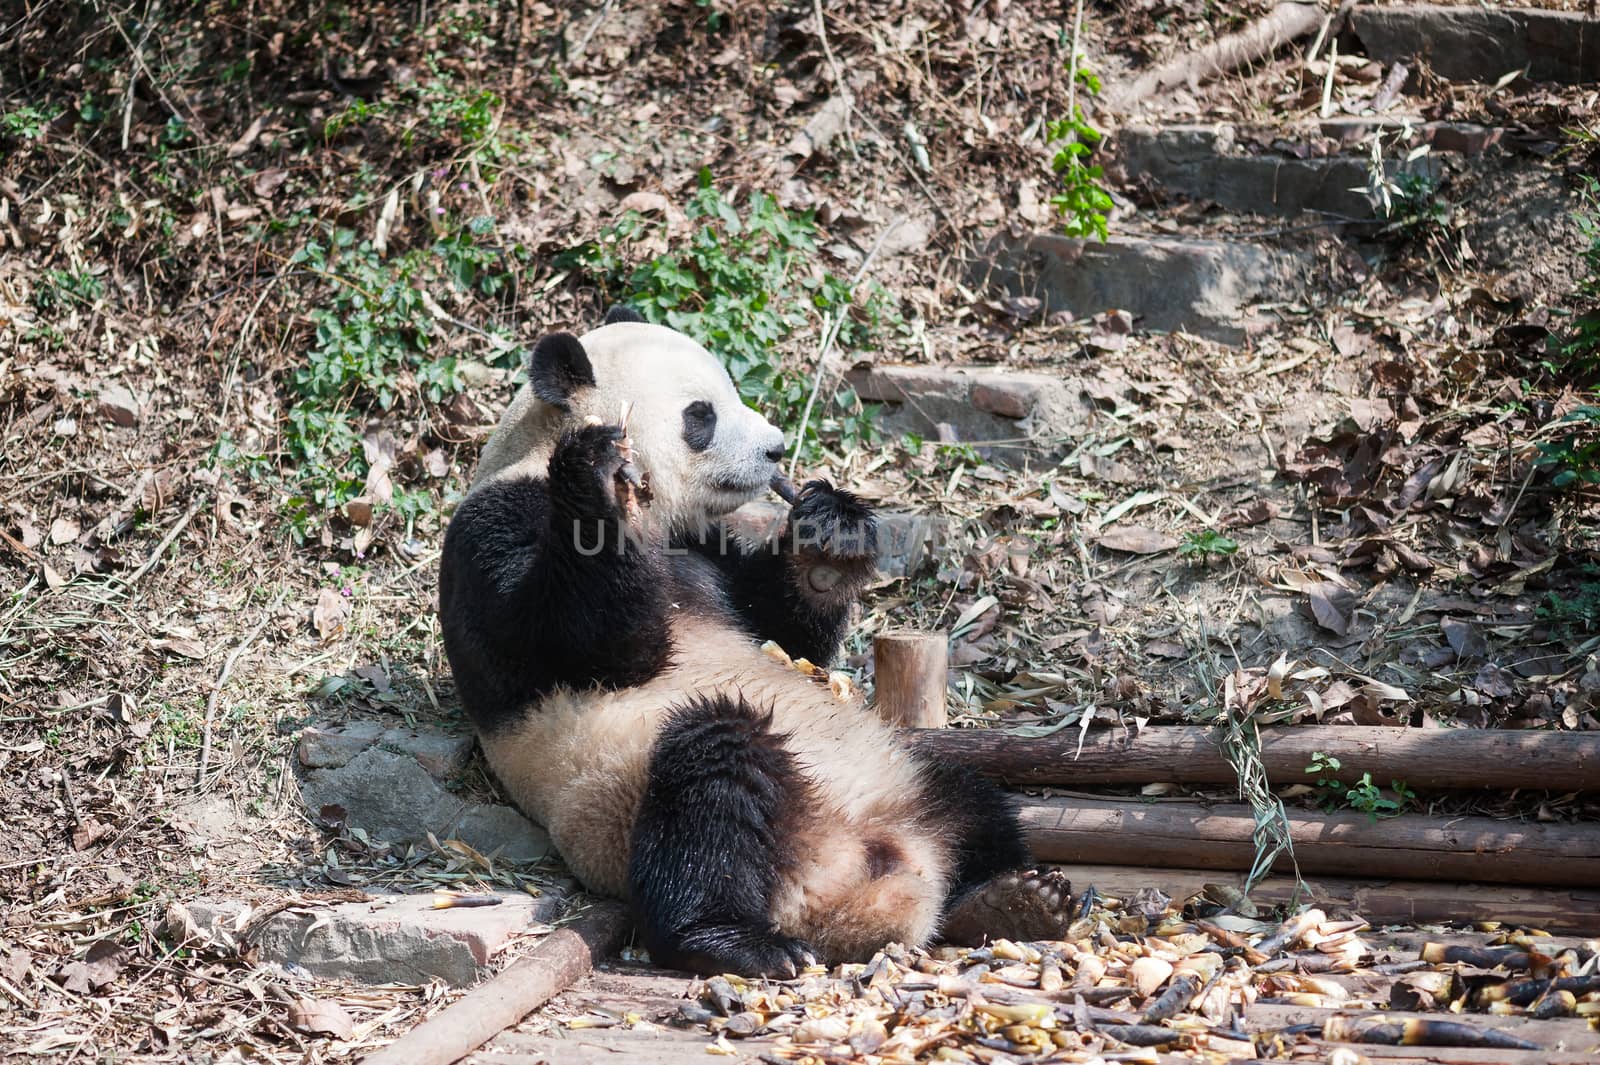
[559, 367]
[621, 312]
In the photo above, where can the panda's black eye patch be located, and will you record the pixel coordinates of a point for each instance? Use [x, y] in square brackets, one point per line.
[699, 425]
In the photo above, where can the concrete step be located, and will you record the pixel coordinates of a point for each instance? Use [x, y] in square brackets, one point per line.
[1220, 163]
[1471, 43]
[1205, 287]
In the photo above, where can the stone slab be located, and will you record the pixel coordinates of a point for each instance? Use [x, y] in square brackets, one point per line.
[442, 754]
[1467, 43]
[392, 798]
[391, 939]
[1203, 287]
[1002, 411]
[1207, 163]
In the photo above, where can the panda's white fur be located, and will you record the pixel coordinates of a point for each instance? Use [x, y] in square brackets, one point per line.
[629, 360]
[869, 860]
[578, 766]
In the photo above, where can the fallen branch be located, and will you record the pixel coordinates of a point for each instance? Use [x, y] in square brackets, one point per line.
[1569, 911]
[1421, 758]
[1285, 23]
[1475, 1030]
[560, 959]
[1471, 850]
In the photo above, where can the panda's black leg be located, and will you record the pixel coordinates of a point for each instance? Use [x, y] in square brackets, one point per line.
[982, 820]
[709, 842]
[994, 890]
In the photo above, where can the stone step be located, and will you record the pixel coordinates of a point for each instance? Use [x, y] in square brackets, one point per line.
[1472, 43]
[1209, 288]
[387, 939]
[1218, 163]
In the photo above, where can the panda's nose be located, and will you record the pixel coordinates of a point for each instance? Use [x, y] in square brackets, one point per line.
[775, 454]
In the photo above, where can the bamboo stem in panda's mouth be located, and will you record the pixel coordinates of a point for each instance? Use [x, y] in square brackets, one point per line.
[785, 488]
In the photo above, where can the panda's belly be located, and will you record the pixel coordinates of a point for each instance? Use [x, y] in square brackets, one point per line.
[578, 761]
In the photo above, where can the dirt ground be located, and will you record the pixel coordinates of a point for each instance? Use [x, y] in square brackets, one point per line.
[267, 277]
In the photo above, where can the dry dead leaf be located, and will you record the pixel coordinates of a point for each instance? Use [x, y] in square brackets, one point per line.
[97, 969]
[321, 1017]
[329, 615]
[1331, 606]
[1465, 639]
[181, 646]
[64, 530]
[1136, 539]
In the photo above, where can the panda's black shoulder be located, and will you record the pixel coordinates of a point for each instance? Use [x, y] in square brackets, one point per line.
[488, 536]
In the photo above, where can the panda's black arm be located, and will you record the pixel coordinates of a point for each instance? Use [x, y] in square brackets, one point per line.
[541, 584]
[798, 590]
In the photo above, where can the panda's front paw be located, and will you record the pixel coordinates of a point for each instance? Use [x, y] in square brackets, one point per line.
[833, 523]
[591, 467]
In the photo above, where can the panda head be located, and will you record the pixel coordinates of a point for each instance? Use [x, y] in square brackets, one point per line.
[702, 449]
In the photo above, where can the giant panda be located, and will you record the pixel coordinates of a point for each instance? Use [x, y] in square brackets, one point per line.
[605, 635]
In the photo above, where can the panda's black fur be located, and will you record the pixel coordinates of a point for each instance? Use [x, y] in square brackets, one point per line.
[616, 681]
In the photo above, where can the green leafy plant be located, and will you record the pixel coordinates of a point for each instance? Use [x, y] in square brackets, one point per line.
[372, 352]
[1578, 614]
[28, 122]
[742, 284]
[1364, 795]
[1083, 202]
[1575, 453]
[58, 288]
[1206, 544]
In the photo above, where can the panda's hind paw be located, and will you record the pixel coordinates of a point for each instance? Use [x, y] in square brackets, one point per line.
[1028, 904]
[833, 522]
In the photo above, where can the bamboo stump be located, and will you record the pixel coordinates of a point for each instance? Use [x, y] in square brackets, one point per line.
[910, 671]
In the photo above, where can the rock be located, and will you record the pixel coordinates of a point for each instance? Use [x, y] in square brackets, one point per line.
[1204, 287]
[391, 797]
[977, 405]
[442, 754]
[1483, 44]
[118, 405]
[390, 939]
[1205, 163]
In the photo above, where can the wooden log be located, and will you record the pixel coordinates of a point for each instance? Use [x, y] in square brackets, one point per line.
[560, 958]
[1469, 850]
[1501, 759]
[1563, 911]
[1283, 24]
[909, 671]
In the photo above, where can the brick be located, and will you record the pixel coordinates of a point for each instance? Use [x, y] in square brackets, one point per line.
[1006, 393]
[1204, 287]
[893, 384]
